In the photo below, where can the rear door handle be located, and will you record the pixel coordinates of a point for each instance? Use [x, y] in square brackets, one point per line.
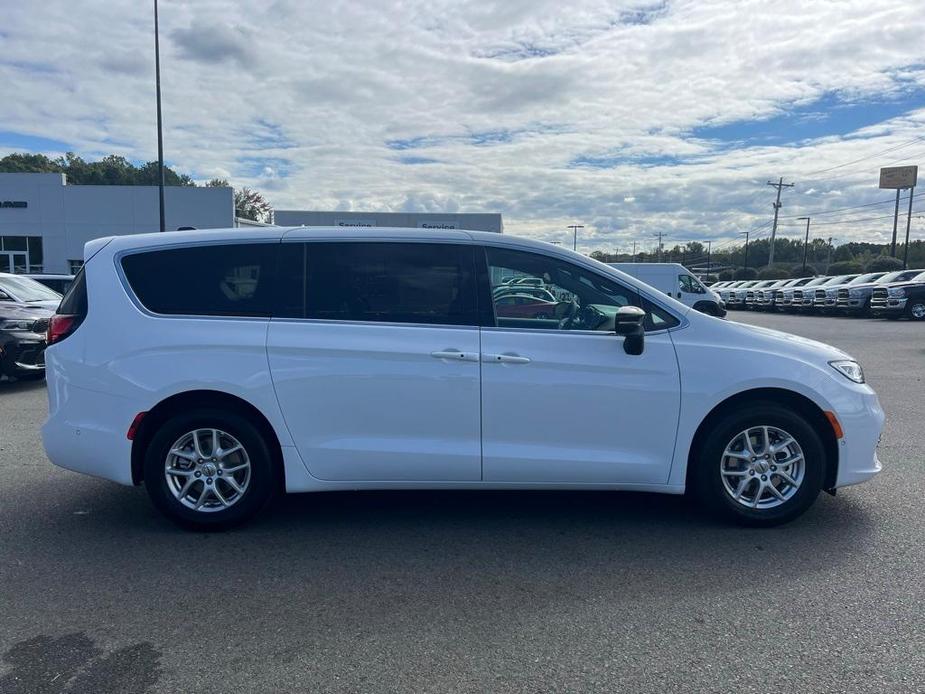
[505, 359]
[455, 355]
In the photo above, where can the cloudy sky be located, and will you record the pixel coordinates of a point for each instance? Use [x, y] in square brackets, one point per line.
[630, 117]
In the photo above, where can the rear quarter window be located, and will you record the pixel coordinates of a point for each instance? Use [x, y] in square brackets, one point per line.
[215, 280]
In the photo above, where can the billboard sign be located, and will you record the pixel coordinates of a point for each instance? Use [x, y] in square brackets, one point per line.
[895, 177]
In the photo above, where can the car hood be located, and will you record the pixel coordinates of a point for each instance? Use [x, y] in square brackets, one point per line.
[903, 285]
[866, 285]
[12, 311]
[780, 342]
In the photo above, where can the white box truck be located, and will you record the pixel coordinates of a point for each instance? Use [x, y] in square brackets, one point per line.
[676, 281]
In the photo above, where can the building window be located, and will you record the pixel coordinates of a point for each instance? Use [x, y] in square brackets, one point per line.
[21, 254]
[74, 266]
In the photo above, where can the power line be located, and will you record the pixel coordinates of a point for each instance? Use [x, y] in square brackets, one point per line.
[842, 209]
[908, 143]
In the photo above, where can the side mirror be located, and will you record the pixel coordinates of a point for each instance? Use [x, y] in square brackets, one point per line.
[629, 322]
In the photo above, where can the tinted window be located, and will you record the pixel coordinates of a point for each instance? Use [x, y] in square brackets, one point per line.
[218, 280]
[74, 302]
[389, 282]
[579, 299]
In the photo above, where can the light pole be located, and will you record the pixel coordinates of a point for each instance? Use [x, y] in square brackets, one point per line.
[575, 228]
[805, 240]
[160, 135]
[908, 225]
[745, 268]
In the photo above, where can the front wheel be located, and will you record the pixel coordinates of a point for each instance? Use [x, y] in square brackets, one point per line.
[208, 469]
[762, 465]
[916, 309]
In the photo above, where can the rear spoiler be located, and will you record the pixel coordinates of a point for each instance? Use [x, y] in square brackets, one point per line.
[91, 248]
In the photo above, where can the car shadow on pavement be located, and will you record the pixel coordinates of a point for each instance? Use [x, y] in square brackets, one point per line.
[8, 386]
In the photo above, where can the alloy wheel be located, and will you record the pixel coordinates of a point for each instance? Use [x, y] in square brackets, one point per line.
[762, 467]
[207, 470]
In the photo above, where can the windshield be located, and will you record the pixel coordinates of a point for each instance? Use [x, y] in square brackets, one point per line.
[818, 280]
[27, 290]
[869, 277]
[841, 279]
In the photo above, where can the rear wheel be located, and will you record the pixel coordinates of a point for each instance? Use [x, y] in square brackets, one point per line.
[761, 465]
[208, 469]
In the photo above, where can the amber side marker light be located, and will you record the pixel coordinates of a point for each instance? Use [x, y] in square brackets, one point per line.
[836, 427]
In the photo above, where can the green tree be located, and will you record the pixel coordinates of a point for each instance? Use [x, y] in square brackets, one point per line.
[746, 273]
[249, 204]
[845, 267]
[798, 271]
[773, 273]
[884, 263]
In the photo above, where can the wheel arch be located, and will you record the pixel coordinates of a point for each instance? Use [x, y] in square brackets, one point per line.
[187, 400]
[780, 396]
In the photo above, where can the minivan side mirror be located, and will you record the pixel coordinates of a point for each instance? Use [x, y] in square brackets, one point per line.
[629, 322]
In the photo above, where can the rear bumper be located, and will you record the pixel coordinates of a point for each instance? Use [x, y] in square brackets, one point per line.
[83, 432]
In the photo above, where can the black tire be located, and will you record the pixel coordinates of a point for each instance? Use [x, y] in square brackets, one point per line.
[261, 485]
[915, 306]
[706, 481]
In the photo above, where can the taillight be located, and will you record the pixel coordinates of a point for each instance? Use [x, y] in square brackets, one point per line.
[60, 326]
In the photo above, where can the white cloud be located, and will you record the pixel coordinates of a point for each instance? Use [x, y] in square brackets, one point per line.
[551, 113]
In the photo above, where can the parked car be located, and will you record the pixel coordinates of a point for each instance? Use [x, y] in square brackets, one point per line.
[802, 297]
[764, 298]
[726, 291]
[736, 297]
[856, 298]
[363, 359]
[524, 306]
[676, 281]
[22, 340]
[19, 289]
[826, 291]
[900, 299]
[536, 293]
[751, 292]
[59, 283]
[783, 297]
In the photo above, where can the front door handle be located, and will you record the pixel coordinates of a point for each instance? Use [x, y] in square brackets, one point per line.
[505, 359]
[455, 355]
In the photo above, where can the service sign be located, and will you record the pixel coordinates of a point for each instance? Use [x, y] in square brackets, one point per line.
[898, 177]
[437, 225]
[354, 223]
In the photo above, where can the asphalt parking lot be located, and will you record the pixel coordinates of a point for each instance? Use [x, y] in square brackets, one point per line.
[493, 591]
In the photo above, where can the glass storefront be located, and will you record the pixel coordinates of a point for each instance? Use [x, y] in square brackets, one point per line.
[21, 254]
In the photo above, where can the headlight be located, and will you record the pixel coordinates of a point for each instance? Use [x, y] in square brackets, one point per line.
[16, 325]
[849, 369]
[898, 292]
[854, 292]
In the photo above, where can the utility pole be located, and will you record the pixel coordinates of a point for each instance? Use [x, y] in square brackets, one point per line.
[779, 185]
[746, 251]
[160, 133]
[805, 241]
[659, 234]
[575, 228]
[634, 251]
[709, 248]
[829, 261]
[908, 225]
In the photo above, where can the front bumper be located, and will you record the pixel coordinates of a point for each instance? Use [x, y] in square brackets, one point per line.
[888, 305]
[22, 354]
[862, 420]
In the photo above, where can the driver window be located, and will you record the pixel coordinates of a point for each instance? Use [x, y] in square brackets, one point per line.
[530, 290]
[688, 284]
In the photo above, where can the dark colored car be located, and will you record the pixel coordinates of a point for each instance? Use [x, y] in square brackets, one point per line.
[22, 341]
[900, 299]
[856, 298]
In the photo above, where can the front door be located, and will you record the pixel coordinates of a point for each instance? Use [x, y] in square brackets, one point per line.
[375, 360]
[562, 402]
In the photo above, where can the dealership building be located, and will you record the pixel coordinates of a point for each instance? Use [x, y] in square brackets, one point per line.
[415, 220]
[44, 223]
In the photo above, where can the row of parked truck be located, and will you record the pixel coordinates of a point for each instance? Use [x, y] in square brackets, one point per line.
[893, 295]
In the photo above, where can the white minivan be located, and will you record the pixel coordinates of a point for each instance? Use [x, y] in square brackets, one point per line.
[676, 281]
[219, 367]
